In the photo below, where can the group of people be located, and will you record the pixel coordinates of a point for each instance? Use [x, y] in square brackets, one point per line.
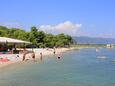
[25, 52]
[32, 55]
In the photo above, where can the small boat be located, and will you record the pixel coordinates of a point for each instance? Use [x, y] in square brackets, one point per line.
[101, 57]
[97, 50]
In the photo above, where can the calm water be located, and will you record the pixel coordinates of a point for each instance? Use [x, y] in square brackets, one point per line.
[76, 68]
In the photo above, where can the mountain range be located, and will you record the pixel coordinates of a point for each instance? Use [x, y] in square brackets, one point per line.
[94, 40]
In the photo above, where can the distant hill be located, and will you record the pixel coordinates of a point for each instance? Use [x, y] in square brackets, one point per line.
[94, 40]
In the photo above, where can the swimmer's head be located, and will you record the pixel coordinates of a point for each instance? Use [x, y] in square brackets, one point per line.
[58, 57]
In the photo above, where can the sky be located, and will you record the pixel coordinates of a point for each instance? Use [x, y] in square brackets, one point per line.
[93, 18]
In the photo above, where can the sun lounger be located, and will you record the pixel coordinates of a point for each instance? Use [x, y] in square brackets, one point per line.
[4, 59]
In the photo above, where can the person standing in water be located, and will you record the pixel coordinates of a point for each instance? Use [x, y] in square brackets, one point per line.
[41, 56]
[24, 54]
[33, 55]
[54, 50]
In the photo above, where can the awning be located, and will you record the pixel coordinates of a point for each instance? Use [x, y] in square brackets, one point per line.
[11, 40]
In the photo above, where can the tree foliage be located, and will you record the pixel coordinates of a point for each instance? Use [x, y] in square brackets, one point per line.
[38, 38]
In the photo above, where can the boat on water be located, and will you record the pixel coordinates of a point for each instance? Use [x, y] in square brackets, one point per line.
[101, 57]
[97, 50]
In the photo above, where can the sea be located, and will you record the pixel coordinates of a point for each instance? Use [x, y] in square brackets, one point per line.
[84, 67]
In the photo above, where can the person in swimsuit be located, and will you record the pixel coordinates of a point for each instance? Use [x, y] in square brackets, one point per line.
[54, 50]
[41, 56]
[24, 54]
[33, 55]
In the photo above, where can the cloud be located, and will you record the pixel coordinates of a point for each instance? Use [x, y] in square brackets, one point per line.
[67, 27]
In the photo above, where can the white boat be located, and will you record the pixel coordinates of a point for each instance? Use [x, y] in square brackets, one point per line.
[101, 57]
[97, 50]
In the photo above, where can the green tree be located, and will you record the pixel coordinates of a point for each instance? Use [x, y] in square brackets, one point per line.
[33, 35]
[17, 34]
[4, 31]
[63, 40]
[49, 40]
[38, 38]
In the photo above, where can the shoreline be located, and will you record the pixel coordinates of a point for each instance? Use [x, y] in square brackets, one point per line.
[44, 51]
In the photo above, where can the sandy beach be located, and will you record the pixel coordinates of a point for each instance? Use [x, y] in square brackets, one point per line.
[14, 58]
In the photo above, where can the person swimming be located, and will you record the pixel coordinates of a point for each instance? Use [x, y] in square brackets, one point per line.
[59, 57]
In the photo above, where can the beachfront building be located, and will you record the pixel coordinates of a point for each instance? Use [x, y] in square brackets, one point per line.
[8, 53]
[4, 41]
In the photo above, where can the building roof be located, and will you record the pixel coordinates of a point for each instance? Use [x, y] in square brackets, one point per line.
[11, 40]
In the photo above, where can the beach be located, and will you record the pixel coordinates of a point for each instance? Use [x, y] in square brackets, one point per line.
[14, 58]
[75, 68]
